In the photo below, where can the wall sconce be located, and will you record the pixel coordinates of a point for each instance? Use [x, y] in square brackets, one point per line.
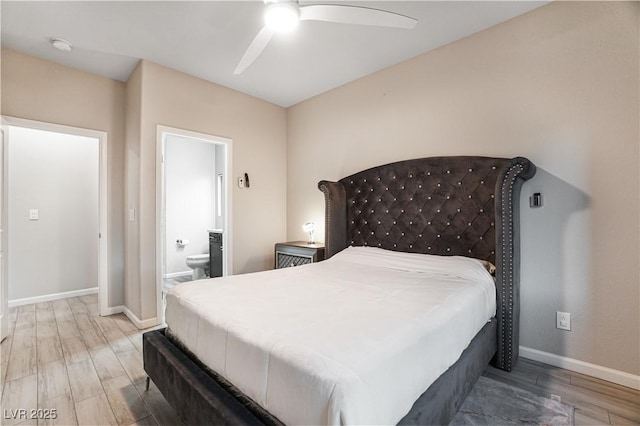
[309, 227]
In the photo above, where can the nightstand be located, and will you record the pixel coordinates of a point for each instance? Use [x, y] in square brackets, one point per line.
[295, 253]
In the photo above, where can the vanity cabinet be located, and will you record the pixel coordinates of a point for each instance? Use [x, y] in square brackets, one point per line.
[215, 254]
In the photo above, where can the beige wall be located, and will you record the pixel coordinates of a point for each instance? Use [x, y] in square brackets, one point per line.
[44, 91]
[258, 131]
[133, 110]
[558, 85]
[40, 90]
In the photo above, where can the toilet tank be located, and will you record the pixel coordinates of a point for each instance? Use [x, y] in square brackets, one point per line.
[215, 254]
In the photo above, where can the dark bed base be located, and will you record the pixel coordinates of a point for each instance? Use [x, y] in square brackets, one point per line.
[197, 396]
[201, 399]
[440, 403]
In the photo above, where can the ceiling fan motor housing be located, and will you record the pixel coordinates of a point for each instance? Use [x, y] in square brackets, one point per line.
[282, 16]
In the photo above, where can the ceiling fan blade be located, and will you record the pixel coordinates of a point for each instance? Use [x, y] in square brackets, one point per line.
[254, 50]
[356, 15]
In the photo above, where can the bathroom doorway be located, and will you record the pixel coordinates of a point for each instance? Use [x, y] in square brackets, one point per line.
[193, 208]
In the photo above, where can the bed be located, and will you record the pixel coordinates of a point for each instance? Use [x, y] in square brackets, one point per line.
[276, 360]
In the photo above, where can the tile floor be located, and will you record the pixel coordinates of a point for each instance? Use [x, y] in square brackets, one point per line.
[169, 283]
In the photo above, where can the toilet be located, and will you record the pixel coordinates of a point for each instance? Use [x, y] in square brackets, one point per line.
[199, 263]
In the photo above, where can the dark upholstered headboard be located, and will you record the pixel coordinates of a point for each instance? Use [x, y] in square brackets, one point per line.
[467, 206]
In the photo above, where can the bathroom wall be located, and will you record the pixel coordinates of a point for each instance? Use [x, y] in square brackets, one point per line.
[220, 154]
[58, 175]
[189, 200]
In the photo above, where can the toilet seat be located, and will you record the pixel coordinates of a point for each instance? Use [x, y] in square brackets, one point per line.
[198, 257]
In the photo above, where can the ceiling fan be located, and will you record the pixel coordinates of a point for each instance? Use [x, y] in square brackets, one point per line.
[285, 15]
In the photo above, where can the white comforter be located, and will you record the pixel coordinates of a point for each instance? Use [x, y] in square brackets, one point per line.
[355, 339]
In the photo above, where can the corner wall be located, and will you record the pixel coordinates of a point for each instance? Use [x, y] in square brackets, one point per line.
[559, 85]
[258, 131]
[133, 108]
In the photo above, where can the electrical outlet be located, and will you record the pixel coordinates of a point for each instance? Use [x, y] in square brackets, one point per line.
[563, 321]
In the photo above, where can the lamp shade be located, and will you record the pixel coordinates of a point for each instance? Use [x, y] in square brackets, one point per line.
[309, 227]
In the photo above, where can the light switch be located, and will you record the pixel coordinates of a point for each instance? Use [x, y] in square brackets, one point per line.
[132, 215]
[34, 214]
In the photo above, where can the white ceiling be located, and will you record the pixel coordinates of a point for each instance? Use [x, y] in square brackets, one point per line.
[207, 39]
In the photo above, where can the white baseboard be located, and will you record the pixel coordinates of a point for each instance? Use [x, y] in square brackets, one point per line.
[112, 310]
[54, 296]
[3, 331]
[133, 317]
[138, 322]
[178, 274]
[593, 370]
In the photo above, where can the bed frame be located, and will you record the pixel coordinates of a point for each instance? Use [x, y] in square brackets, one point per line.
[466, 206]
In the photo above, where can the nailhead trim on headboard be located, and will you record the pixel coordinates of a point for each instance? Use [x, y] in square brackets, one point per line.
[463, 206]
[508, 272]
[436, 206]
[507, 265]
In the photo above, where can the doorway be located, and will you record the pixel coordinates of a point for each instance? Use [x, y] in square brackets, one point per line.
[54, 213]
[193, 211]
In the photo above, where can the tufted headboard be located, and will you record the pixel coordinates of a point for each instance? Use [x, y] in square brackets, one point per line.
[466, 206]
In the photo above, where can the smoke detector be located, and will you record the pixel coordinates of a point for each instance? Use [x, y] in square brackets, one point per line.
[61, 44]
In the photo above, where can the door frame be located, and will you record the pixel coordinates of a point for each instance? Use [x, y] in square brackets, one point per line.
[227, 240]
[4, 303]
[103, 204]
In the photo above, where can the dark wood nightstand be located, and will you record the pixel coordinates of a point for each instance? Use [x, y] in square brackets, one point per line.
[294, 253]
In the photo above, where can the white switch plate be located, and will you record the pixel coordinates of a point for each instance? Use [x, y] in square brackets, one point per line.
[132, 215]
[563, 321]
[240, 182]
[34, 214]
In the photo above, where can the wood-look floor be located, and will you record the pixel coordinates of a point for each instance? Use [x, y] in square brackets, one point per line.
[61, 355]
